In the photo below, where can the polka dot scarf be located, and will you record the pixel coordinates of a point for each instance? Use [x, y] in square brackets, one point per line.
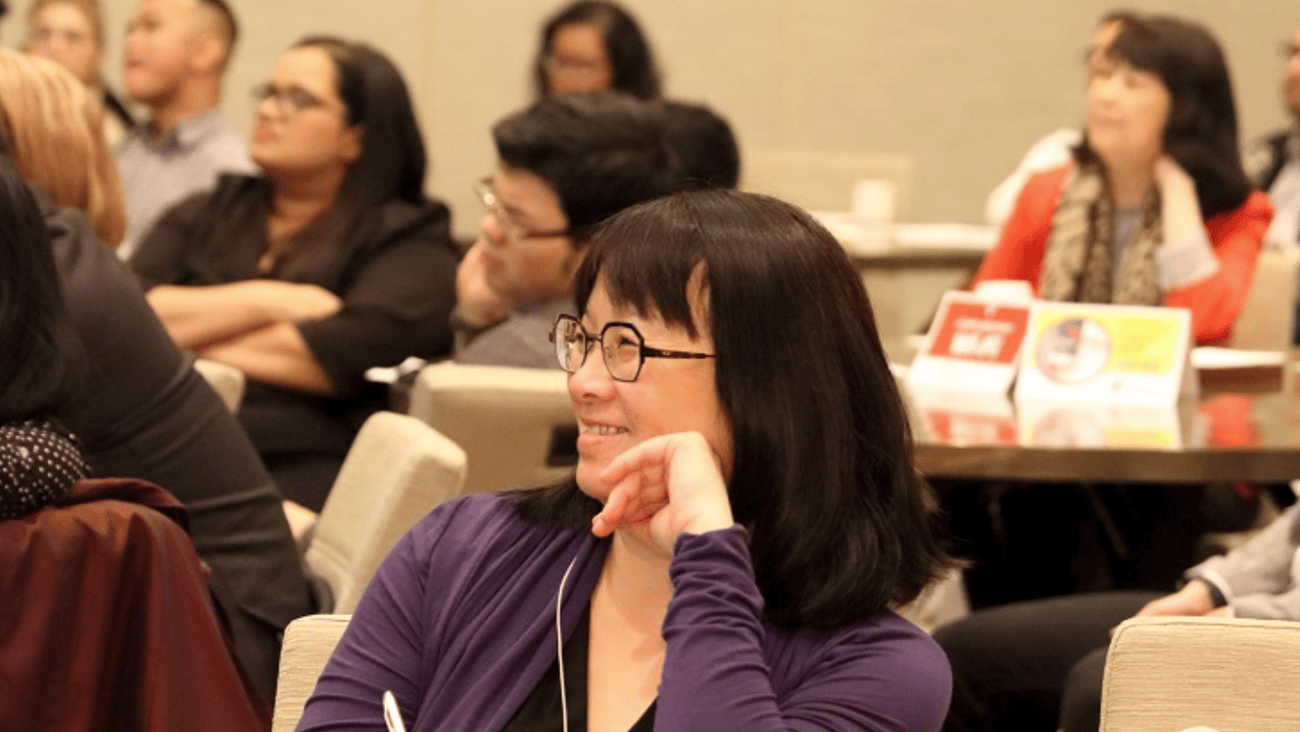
[38, 463]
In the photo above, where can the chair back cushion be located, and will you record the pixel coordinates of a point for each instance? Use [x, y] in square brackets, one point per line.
[397, 470]
[511, 422]
[308, 643]
[1172, 673]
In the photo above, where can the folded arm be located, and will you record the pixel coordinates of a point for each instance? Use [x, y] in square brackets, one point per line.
[276, 355]
[201, 317]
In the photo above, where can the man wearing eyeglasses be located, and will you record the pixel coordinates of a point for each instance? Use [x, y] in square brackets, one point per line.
[176, 55]
[566, 164]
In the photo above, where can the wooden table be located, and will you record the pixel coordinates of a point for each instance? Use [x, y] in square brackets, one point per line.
[1231, 434]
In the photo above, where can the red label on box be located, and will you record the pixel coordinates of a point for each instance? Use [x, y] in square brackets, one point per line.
[986, 333]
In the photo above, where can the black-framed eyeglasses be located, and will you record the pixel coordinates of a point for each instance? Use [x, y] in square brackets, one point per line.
[512, 229]
[291, 101]
[621, 345]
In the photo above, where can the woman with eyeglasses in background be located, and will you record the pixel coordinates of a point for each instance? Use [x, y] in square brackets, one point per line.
[332, 262]
[744, 515]
[593, 45]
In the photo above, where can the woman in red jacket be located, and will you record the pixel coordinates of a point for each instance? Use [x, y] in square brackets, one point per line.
[1156, 209]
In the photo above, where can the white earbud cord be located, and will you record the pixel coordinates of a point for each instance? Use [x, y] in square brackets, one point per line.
[559, 647]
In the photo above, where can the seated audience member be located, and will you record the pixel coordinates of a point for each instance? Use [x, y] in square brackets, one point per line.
[566, 163]
[176, 55]
[593, 45]
[144, 412]
[1156, 209]
[145, 654]
[71, 32]
[725, 555]
[51, 129]
[40, 365]
[331, 263]
[1274, 163]
[1057, 147]
[1039, 665]
[703, 145]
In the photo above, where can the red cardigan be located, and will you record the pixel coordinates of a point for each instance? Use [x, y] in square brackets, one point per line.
[1214, 301]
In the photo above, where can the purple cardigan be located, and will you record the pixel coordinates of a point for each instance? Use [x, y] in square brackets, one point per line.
[459, 622]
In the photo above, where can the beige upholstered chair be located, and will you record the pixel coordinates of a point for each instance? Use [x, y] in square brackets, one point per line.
[516, 425]
[227, 381]
[823, 181]
[1265, 321]
[1171, 673]
[308, 643]
[397, 470]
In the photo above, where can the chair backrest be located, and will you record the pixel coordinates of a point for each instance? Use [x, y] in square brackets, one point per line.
[227, 381]
[1169, 673]
[1265, 321]
[308, 643]
[397, 470]
[823, 181]
[509, 421]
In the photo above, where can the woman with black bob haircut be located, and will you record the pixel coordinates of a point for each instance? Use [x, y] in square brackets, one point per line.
[331, 262]
[41, 360]
[592, 45]
[743, 516]
[1156, 209]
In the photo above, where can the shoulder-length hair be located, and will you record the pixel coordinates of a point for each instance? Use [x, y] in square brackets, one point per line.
[626, 46]
[1201, 133]
[52, 129]
[839, 520]
[42, 352]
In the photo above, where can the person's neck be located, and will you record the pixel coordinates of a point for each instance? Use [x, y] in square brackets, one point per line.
[635, 580]
[300, 199]
[190, 100]
[1129, 183]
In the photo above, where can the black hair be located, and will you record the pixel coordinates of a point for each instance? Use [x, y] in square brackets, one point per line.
[839, 521]
[703, 146]
[626, 47]
[393, 157]
[600, 151]
[40, 361]
[1201, 133]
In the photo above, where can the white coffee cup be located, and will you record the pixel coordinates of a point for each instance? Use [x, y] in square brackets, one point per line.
[873, 200]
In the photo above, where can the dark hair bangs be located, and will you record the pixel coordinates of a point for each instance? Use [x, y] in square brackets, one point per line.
[649, 270]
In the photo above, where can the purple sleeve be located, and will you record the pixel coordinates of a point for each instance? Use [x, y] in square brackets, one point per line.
[382, 648]
[883, 674]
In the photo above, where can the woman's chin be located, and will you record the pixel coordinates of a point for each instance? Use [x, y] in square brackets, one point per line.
[589, 482]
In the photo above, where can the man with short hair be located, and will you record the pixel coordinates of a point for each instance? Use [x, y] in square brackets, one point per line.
[176, 55]
[566, 163]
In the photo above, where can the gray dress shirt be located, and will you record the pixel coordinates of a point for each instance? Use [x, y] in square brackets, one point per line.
[159, 171]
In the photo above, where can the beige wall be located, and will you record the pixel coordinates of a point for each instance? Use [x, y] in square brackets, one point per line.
[962, 87]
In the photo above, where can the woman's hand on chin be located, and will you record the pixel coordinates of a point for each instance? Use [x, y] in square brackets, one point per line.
[673, 483]
[1168, 174]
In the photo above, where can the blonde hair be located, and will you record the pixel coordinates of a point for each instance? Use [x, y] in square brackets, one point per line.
[52, 129]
